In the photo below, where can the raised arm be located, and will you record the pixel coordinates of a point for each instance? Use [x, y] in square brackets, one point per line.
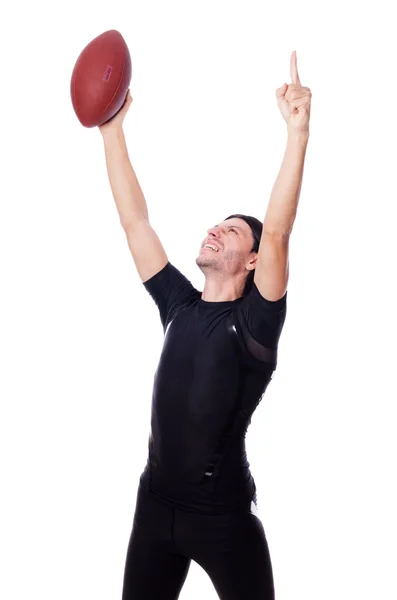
[272, 266]
[146, 249]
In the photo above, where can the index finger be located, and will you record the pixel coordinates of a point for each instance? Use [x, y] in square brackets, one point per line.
[294, 69]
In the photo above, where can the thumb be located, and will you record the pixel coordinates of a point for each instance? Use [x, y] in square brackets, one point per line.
[280, 92]
[128, 99]
[127, 103]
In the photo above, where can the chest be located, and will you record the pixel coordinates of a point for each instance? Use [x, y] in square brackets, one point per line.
[200, 347]
[199, 371]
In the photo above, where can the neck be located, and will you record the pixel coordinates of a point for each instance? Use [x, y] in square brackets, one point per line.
[216, 290]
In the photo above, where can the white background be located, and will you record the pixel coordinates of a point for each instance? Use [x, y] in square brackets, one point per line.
[80, 337]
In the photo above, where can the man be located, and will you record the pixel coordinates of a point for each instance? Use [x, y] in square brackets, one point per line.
[197, 498]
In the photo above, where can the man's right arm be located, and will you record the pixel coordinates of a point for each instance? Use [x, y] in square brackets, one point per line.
[146, 249]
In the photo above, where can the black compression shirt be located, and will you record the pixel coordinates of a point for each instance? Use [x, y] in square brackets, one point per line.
[216, 362]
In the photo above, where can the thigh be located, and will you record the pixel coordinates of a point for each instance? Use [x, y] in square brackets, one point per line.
[153, 567]
[236, 557]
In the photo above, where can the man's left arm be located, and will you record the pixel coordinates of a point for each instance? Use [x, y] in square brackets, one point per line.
[272, 268]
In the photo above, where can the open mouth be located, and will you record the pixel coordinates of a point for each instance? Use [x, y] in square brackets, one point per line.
[210, 247]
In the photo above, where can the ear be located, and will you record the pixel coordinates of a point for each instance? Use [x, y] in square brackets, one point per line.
[251, 264]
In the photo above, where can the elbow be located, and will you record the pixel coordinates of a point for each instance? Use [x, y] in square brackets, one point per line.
[277, 231]
[130, 223]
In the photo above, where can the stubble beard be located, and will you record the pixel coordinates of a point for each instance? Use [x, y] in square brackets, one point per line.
[208, 263]
[212, 264]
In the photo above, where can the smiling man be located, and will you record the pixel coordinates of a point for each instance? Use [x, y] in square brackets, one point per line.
[197, 497]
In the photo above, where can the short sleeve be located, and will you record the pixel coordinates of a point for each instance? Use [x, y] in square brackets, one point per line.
[170, 289]
[262, 318]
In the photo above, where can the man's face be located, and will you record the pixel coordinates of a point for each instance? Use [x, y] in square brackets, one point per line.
[231, 243]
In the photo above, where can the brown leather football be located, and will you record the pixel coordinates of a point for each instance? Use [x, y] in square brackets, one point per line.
[100, 79]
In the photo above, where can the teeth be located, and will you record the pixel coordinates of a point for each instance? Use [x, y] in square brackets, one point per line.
[211, 246]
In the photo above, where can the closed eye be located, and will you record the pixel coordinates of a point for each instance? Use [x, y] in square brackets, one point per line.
[231, 229]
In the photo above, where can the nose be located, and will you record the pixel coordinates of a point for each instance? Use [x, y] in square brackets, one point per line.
[215, 231]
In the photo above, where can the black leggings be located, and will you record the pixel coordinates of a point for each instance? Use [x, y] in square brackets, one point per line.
[231, 548]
